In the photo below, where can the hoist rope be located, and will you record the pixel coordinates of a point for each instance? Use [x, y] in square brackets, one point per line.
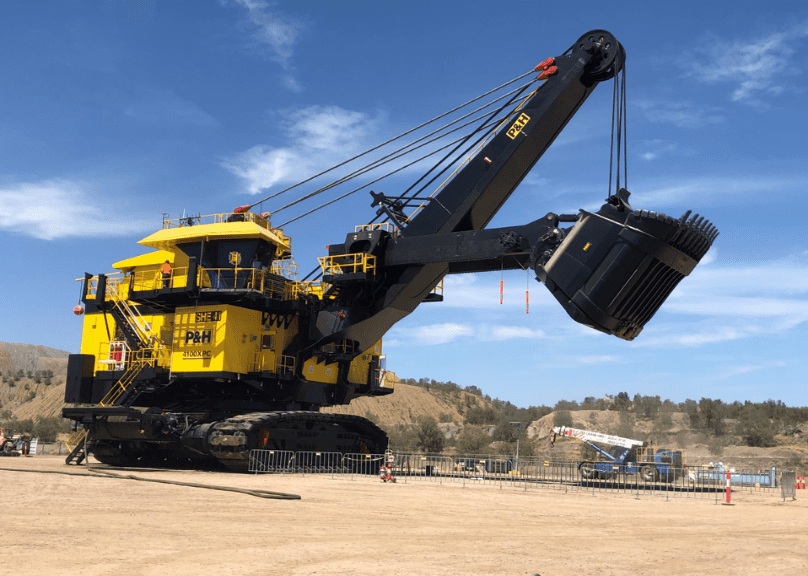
[619, 136]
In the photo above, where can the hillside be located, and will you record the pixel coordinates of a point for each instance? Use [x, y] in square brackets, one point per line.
[25, 398]
[411, 404]
[678, 434]
[21, 397]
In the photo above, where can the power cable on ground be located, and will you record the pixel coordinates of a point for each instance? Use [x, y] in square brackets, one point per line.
[100, 473]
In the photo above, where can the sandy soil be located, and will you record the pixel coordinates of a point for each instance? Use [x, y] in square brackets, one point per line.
[56, 524]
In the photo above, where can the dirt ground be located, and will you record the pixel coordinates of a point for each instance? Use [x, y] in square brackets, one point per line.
[56, 524]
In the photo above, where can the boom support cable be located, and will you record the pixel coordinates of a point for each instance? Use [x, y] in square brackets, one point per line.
[404, 167]
[395, 155]
[496, 123]
[491, 122]
[410, 131]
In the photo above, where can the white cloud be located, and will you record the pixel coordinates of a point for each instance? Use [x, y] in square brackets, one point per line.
[441, 333]
[748, 307]
[164, 107]
[655, 148]
[603, 359]
[709, 258]
[272, 27]
[444, 333]
[756, 66]
[680, 113]
[733, 302]
[510, 332]
[713, 190]
[292, 84]
[746, 369]
[58, 208]
[783, 277]
[535, 179]
[319, 137]
[690, 336]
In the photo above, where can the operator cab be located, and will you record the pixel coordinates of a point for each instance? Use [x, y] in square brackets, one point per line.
[236, 252]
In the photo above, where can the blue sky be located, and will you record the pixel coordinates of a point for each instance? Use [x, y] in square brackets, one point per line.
[115, 113]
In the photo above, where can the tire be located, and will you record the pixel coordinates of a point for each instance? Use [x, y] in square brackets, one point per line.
[648, 473]
[667, 477]
[588, 471]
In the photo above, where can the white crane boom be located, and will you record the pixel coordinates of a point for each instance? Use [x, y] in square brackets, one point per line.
[590, 436]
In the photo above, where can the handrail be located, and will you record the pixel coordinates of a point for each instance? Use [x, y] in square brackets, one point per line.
[282, 365]
[385, 226]
[117, 355]
[219, 218]
[347, 263]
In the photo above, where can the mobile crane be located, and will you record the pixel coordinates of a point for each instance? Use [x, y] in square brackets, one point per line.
[209, 347]
[624, 456]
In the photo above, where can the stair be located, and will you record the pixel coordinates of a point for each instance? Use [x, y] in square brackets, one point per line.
[122, 389]
[76, 446]
[147, 350]
[138, 332]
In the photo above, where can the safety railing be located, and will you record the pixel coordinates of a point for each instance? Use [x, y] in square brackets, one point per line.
[133, 363]
[117, 355]
[347, 264]
[385, 226]
[91, 290]
[187, 221]
[113, 355]
[438, 289]
[788, 485]
[236, 278]
[284, 365]
[287, 462]
[310, 287]
[272, 461]
[143, 280]
[339, 347]
[387, 379]
[285, 268]
[522, 473]
[233, 279]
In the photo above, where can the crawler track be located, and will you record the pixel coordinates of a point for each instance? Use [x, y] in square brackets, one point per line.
[231, 440]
